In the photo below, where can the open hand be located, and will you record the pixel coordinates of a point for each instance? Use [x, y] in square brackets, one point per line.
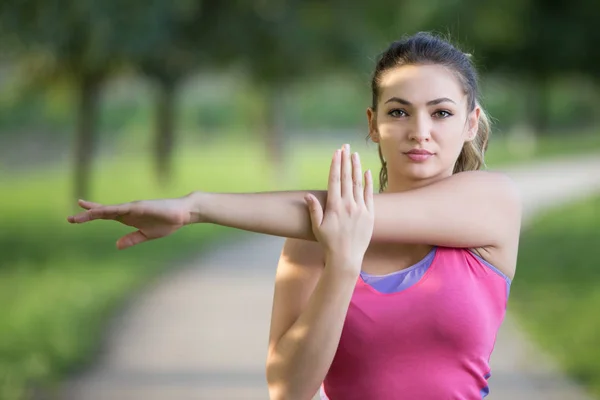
[152, 218]
[345, 227]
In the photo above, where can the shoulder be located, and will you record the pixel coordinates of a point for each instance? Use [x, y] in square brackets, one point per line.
[493, 192]
[504, 197]
[502, 194]
[495, 182]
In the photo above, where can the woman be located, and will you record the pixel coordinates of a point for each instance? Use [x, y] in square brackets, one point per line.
[399, 303]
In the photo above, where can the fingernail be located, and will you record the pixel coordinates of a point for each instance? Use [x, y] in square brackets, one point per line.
[347, 147]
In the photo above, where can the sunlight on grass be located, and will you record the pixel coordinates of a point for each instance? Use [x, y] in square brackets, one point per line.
[556, 293]
[59, 283]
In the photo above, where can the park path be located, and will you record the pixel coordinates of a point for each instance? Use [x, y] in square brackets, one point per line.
[201, 332]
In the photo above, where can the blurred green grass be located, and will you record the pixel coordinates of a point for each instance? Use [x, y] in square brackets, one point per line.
[510, 149]
[60, 283]
[556, 292]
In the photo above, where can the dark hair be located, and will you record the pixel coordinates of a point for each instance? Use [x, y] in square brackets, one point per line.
[426, 49]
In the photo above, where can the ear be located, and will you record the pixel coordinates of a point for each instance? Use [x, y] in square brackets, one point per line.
[473, 124]
[372, 119]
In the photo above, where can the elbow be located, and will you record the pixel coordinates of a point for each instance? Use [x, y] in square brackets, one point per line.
[282, 386]
[280, 390]
[277, 383]
[276, 386]
[277, 392]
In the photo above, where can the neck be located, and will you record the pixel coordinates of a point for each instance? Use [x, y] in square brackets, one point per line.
[397, 184]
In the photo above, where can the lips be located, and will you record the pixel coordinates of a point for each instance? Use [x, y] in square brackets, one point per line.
[420, 152]
[418, 155]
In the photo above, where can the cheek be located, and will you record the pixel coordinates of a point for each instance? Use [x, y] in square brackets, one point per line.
[450, 134]
[451, 149]
[390, 130]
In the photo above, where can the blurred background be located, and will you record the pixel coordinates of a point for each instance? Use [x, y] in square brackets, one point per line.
[114, 101]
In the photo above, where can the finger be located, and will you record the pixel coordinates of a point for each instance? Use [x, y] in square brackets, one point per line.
[357, 179]
[346, 173]
[369, 191]
[315, 209]
[105, 212]
[333, 187]
[88, 204]
[131, 239]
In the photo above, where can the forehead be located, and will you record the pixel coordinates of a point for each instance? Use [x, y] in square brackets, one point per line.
[420, 84]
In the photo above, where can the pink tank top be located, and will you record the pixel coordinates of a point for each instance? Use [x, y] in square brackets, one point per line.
[432, 340]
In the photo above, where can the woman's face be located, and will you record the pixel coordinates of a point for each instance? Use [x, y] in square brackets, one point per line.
[421, 122]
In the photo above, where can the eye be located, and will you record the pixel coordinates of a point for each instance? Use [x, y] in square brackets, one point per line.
[443, 114]
[397, 113]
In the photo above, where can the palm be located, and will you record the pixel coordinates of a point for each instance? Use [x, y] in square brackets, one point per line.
[152, 218]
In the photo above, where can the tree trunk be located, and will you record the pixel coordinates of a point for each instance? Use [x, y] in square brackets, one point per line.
[274, 132]
[539, 103]
[164, 142]
[85, 139]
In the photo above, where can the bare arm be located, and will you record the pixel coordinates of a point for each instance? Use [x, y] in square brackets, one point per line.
[468, 209]
[309, 309]
[474, 209]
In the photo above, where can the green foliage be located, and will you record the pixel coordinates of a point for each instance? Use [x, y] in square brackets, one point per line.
[530, 37]
[556, 294]
[286, 42]
[82, 43]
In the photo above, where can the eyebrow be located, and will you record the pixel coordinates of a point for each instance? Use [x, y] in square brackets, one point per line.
[429, 103]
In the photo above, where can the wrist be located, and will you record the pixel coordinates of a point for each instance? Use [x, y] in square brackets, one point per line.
[196, 204]
[344, 262]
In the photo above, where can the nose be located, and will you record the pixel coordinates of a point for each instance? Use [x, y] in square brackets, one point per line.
[420, 130]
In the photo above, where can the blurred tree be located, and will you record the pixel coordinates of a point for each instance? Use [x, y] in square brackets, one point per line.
[67, 40]
[533, 40]
[84, 41]
[557, 41]
[167, 41]
[283, 42]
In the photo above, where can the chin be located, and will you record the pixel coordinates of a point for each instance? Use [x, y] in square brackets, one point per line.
[420, 171]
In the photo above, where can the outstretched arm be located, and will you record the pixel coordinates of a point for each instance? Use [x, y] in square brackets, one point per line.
[468, 209]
